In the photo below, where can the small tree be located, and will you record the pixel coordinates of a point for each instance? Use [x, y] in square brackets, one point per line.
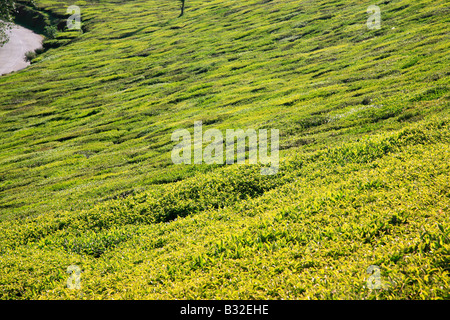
[182, 8]
[29, 56]
[6, 8]
[50, 32]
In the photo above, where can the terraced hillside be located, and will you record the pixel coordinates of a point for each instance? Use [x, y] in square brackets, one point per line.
[87, 179]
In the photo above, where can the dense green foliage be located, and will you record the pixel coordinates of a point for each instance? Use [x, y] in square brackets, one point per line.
[6, 9]
[86, 176]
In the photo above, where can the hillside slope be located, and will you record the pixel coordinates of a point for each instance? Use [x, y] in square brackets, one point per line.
[86, 175]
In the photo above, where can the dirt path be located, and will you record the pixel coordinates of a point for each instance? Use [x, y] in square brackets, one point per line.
[12, 54]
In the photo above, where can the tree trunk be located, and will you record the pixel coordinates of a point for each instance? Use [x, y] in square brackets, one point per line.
[182, 8]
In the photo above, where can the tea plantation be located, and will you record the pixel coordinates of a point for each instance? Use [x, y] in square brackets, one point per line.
[87, 179]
